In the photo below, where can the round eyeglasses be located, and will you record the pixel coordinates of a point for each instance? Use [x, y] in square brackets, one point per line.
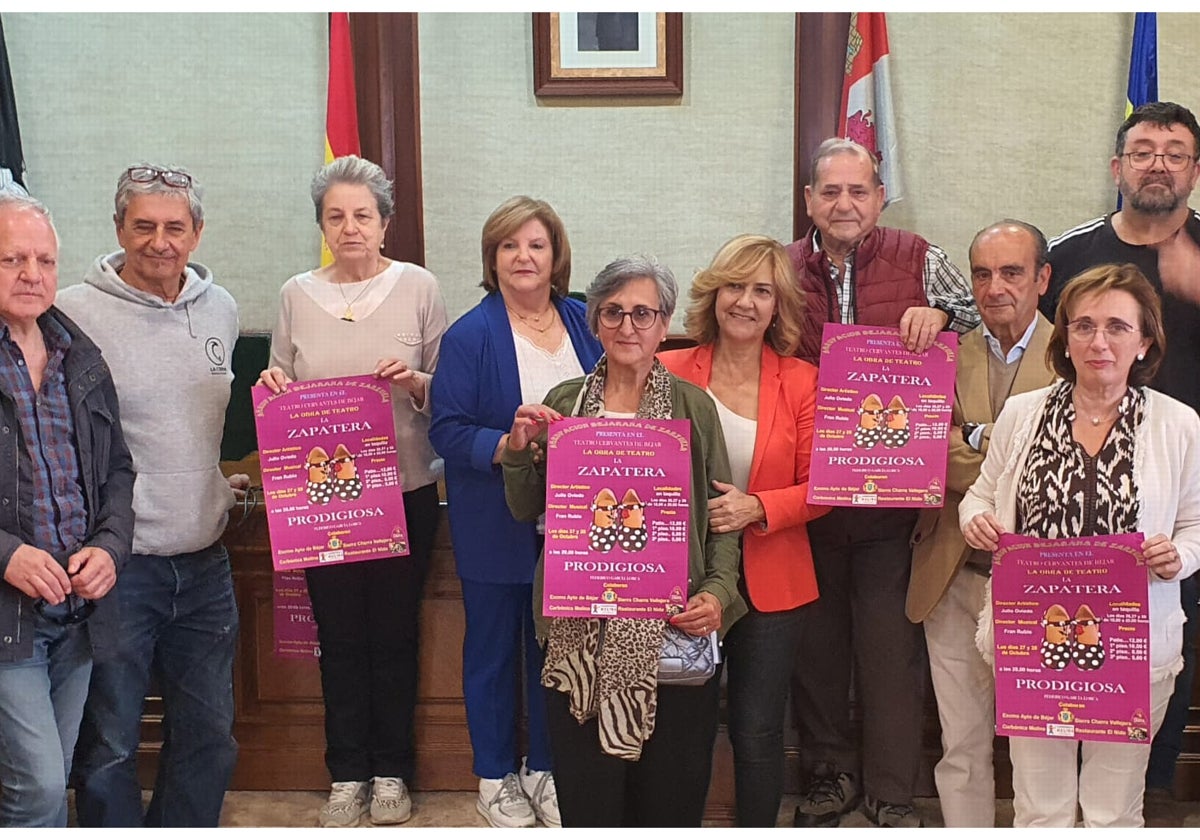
[1115, 331]
[150, 174]
[1172, 161]
[642, 317]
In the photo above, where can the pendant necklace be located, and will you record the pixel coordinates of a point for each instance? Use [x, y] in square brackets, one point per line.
[349, 313]
[530, 320]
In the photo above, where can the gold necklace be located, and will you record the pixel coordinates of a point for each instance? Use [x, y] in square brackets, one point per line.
[529, 320]
[348, 315]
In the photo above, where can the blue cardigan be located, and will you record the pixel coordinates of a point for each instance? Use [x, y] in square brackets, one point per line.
[474, 395]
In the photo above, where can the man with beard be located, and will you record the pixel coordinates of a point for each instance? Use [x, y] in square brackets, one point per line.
[1155, 168]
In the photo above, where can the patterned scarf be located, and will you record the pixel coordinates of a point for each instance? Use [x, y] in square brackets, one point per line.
[609, 667]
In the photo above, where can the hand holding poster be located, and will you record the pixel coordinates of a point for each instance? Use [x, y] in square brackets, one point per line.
[883, 414]
[331, 479]
[617, 517]
[1072, 638]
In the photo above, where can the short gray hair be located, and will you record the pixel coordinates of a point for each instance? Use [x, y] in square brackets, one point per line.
[351, 169]
[613, 277]
[842, 146]
[25, 202]
[127, 188]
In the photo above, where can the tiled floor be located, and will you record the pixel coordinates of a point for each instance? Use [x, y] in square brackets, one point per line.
[457, 809]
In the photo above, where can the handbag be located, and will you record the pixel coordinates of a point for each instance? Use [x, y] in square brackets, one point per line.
[685, 659]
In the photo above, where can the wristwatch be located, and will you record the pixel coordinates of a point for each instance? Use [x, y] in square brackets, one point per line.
[941, 307]
[968, 429]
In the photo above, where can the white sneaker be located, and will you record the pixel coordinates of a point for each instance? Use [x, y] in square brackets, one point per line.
[390, 802]
[503, 803]
[347, 803]
[543, 796]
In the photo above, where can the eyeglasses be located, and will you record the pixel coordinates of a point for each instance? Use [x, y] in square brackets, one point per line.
[78, 610]
[642, 317]
[1084, 329]
[150, 174]
[1172, 161]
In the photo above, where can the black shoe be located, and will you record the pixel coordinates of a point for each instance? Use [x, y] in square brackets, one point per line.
[891, 815]
[827, 798]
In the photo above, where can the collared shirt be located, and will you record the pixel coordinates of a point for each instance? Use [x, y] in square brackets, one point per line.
[944, 285]
[47, 465]
[1015, 353]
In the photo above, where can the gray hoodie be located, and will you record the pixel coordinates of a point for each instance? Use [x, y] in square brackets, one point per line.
[172, 365]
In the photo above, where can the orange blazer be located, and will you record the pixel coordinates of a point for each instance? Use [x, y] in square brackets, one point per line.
[777, 562]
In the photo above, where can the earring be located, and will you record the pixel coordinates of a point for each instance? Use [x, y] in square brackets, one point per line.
[1067, 353]
[1141, 357]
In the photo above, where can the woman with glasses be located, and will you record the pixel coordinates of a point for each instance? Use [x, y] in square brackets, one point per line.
[366, 314]
[745, 315]
[627, 750]
[1096, 453]
[523, 337]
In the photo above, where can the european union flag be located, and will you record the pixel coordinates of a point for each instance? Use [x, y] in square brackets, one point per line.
[12, 161]
[1143, 62]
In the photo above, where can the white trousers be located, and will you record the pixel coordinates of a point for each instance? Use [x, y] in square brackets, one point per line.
[965, 691]
[1108, 786]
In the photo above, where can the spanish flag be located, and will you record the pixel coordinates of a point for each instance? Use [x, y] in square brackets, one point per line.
[341, 112]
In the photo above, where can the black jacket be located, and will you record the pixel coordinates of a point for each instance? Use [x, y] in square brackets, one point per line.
[107, 481]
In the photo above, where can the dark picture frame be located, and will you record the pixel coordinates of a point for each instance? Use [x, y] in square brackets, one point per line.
[563, 65]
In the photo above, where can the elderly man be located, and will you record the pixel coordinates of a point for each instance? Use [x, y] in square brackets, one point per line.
[1155, 169]
[65, 519]
[167, 331]
[854, 272]
[1005, 355]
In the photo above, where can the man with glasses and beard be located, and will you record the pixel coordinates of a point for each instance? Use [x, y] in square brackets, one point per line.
[1155, 168]
[167, 330]
[66, 520]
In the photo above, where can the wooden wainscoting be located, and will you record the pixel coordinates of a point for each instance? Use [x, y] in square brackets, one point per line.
[279, 711]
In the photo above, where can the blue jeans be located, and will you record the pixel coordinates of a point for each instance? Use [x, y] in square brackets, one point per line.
[759, 651]
[178, 620]
[41, 702]
[1164, 752]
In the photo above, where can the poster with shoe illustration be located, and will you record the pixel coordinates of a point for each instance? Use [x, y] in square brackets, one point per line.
[1071, 627]
[331, 478]
[617, 495]
[882, 419]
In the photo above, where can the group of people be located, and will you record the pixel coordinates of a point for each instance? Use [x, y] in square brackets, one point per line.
[113, 578]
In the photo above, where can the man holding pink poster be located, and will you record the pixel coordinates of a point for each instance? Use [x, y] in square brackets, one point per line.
[852, 271]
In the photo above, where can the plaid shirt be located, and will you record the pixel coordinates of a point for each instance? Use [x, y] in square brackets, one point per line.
[47, 466]
[944, 284]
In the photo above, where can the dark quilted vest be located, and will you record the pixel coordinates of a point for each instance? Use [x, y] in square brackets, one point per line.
[889, 277]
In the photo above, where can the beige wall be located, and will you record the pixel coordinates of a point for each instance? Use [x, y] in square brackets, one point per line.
[999, 114]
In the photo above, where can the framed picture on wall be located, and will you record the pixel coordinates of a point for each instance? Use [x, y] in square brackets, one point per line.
[608, 53]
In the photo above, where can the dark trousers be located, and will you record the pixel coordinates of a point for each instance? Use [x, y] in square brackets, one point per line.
[666, 788]
[759, 651]
[1164, 752]
[367, 615]
[862, 560]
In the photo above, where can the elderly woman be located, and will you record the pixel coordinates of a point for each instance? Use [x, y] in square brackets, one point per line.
[745, 315]
[525, 336]
[367, 314]
[628, 751]
[1124, 459]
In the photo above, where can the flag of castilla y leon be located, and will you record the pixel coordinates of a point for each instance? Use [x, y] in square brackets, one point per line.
[341, 111]
[866, 116]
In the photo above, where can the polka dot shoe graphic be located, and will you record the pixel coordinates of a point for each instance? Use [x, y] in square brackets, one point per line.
[1056, 646]
[1088, 654]
[894, 432]
[347, 486]
[602, 535]
[631, 536]
[866, 434]
[318, 487]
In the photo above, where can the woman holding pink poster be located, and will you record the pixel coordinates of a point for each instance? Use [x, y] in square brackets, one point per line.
[629, 750]
[366, 314]
[746, 316]
[1097, 453]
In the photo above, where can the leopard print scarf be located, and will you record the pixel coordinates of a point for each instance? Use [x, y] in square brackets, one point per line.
[609, 667]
